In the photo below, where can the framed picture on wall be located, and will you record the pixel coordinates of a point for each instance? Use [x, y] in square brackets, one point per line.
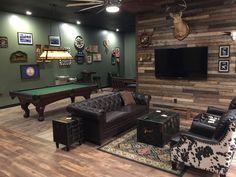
[25, 38]
[54, 41]
[224, 51]
[29, 71]
[97, 57]
[3, 42]
[89, 59]
[223, 66]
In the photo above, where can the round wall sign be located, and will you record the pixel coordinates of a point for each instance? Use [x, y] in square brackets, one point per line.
[79, 43]
[30, 71]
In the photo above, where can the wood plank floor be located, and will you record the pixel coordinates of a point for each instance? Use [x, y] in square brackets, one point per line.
[27, 150]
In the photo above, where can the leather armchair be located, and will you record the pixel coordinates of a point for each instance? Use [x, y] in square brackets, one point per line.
[121, 83]
[201, 125]
[205, 124]
[210, 154]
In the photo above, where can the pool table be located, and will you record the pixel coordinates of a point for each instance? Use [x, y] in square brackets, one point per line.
[40, 97]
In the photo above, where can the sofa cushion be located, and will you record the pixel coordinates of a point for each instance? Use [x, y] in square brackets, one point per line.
[133, 109]
[115, 115]
[108, 102]
[127, 97]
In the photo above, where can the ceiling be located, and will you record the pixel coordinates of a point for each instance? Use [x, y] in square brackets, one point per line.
[124, 20]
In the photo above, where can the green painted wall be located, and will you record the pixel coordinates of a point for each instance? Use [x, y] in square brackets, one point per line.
[130, 62]
[10, 78]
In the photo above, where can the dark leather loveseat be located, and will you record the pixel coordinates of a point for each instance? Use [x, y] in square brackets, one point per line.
[106, 116]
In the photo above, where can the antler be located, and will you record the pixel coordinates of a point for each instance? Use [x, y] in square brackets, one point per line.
[176, 7]
[184, 5]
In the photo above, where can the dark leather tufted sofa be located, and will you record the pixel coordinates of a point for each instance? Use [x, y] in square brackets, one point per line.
[106, 116]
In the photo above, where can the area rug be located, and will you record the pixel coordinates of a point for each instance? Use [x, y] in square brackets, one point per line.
[126, 146]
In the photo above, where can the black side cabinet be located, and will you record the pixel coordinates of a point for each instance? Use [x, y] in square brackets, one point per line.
[67, 131]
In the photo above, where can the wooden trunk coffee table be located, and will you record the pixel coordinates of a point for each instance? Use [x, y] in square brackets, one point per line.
[157, 127]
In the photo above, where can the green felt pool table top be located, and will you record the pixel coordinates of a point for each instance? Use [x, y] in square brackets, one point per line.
[54, 89]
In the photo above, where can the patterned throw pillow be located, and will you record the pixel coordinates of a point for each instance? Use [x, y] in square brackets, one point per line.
[127, 98]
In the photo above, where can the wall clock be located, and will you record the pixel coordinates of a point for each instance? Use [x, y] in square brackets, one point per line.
[79, 43]
[145, 40]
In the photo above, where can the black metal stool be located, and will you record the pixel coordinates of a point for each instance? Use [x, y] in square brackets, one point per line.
[97, 80]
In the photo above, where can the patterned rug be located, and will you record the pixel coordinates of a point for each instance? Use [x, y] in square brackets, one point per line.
[126, 146]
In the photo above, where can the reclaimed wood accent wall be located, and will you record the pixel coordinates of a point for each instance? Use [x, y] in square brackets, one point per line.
[209, 22]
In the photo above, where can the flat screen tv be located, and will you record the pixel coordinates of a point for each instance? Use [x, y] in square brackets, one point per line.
[181, 63]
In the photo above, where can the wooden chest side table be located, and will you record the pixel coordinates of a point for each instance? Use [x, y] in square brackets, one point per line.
[157, 128]
[67, 131]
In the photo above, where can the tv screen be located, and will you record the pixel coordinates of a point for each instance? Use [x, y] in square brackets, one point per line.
[182, 63]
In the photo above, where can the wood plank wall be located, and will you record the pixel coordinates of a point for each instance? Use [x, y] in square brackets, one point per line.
[208, 21]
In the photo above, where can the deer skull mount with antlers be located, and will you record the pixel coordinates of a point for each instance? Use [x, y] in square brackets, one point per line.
[181, 28]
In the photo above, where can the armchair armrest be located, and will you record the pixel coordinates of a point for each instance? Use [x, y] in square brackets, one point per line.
[141, 98]
[196, 137]
[215, 110]
[202, 129]
[205, 124]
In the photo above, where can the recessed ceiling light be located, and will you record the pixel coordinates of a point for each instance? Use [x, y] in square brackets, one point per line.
[28, 12]
[112, 9]
[117, 29]
[78, 22]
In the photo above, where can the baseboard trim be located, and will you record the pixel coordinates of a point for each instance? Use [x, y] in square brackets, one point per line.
[11, 105]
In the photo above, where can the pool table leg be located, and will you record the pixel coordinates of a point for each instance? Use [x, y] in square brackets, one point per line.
[40, 110]
[24, 106]
[87, 96]
[72, 99]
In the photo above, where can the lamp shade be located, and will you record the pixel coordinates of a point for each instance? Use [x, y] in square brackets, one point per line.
[55, 54]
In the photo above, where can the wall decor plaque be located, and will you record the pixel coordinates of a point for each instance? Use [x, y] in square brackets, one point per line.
[144, 57]
[97, 57]
[29, 71]
[93, 48]
[117, 52]
[79, 58]
[18, 57]
[64, 63]
[106, 44]
[79, 43]
[89, 59]
[3, 42]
